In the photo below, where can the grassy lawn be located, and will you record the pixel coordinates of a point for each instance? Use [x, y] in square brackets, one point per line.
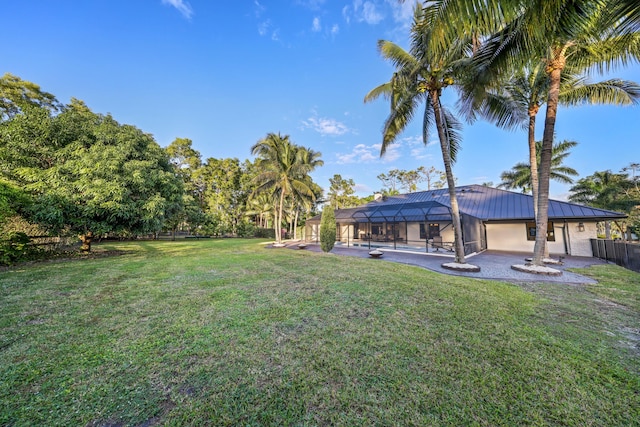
[227, 332]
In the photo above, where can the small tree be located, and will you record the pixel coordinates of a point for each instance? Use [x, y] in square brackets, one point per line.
[327, 229]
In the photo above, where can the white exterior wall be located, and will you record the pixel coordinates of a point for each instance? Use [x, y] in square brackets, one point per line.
[312, 232]
[513, 237]
[413, 231]
[447, 235]
[579, 243]
[345, 233]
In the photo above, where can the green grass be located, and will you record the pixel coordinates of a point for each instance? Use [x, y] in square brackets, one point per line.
[227, 332]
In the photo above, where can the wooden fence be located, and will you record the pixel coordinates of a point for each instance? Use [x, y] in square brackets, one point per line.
[622, 253]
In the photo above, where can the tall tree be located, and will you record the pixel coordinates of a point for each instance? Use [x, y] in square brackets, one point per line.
[390, 181]
[521, 175]
[569, 35]
[421, 75]
[285, 168]
[515, 103]
[341, 192]
[434, 178]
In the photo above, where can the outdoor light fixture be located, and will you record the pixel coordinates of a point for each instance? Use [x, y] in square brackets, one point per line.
[581, 226]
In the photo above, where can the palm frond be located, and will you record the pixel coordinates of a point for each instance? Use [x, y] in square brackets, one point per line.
[453, 130]
[399, 57]
[613, 91]
[384, 90]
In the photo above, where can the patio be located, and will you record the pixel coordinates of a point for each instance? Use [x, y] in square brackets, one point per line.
[495, 265]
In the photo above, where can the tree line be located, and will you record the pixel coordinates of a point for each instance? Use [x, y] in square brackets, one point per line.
[66, 170]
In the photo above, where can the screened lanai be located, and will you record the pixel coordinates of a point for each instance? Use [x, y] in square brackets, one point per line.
[424, 226]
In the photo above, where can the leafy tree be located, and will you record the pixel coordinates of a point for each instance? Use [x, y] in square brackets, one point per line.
[520, 175]
[13, 201]
[606, 190]
[390, 181]
[284, 171]
[341, 192]
[16, 94]
[88, 174]
[421, 75]
[327, 229]
[612, 191]
[224, 196]
[435, 178]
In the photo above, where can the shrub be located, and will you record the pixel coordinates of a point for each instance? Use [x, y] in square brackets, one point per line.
[15, 248]
[266, 233]
[327, 229]
[246, 229]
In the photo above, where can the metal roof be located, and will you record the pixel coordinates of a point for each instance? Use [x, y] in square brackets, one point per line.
[403, 211]
[484, 203]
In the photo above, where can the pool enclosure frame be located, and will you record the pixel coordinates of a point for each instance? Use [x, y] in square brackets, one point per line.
[402, 226]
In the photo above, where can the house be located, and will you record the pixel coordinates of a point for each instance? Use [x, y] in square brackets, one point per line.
[491, 219]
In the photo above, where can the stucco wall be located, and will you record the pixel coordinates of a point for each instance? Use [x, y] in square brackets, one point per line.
[413, 231]
[513, 237]
[579, 241]
[345, 232]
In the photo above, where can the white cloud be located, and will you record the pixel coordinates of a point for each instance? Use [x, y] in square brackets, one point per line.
[316, 25]
[362, 188]
[263, 27]
[266, 28]
[311, 4]
[259, 9]
[183, 7]
[362, 11]
[335, 29]
[402, 11]
[346, 14]
[325, 126]
[391, 155]
[370, 13]
[362, 153]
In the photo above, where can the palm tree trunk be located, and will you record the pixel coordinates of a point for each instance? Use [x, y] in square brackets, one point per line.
[295, 226]
[279, 218]
[533, 162]
[555, 72]
[446, 157]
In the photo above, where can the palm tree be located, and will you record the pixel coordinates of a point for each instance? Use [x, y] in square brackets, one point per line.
[516, 102]
[285, 168]
[521, 175]
[261, 207]
[604, 190]
[421, 76]
[570, 36]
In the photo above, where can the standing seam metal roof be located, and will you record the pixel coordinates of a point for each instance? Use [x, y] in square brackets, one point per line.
[485, 203]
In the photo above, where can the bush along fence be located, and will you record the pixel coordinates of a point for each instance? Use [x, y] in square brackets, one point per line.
[18, 247]
[624, 254]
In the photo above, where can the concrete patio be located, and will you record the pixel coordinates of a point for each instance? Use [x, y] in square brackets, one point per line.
[494, 265]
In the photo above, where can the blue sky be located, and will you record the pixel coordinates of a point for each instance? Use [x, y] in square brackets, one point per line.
[224, 74]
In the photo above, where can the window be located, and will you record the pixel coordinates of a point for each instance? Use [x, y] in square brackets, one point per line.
[531, 231]
[434, 230]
